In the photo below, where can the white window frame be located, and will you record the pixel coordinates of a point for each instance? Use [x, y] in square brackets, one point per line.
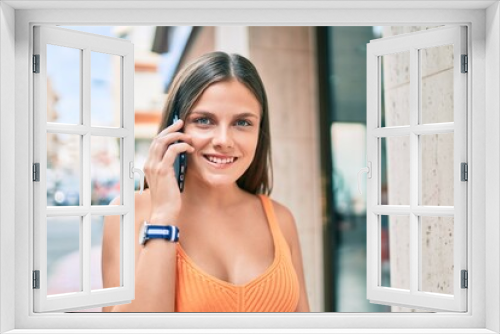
[414, 296]
[484, 214]
[86, 44]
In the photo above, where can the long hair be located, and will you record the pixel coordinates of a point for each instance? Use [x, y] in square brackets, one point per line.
[211, 68]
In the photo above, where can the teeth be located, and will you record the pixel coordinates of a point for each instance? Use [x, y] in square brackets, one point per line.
[219, 160]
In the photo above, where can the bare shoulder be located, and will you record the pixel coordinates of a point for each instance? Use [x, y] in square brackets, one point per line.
[286, 222]
[142, 201]
[142, 205]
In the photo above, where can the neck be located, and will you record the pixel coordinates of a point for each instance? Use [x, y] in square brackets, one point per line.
[213, 198]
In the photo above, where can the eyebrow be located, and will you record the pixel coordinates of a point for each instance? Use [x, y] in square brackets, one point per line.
[242, 115]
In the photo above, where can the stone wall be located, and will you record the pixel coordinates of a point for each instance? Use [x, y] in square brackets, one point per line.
[286, 60]
[436, 165]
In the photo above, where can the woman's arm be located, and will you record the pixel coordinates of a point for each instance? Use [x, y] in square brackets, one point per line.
[154, 266]
[289, 229]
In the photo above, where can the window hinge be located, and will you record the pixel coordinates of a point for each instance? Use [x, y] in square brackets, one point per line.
[36, 172]
[465, 64]
[464, 171]
[36, 279]
[465, 279]
[36, 63]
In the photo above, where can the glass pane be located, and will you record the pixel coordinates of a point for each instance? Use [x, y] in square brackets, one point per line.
[105, 169]
[437, 169]
[395, 167]
[105, 77]
[63, 255]
[348, 200]
[436, 84]
[63, 169]
[437, 254]
[63, 84]
[395, 251]
[111, 251]
[395, 83]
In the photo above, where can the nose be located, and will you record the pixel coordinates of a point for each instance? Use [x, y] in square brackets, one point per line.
[222, 138]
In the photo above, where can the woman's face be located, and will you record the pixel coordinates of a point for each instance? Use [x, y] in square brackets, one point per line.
[224, 126]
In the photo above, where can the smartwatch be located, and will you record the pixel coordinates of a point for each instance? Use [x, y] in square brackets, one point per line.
[168, 232]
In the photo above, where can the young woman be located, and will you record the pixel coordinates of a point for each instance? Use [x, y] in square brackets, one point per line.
[238, 250]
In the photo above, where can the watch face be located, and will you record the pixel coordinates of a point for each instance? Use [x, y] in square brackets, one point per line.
[142, 234]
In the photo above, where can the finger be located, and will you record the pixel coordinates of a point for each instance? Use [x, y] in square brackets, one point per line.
[173, 137]
[172, 128]
[175, 127]
[174, 150]
[161, 144]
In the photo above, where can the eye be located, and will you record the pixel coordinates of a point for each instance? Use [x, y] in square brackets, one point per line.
[202, 121]
[243, 122]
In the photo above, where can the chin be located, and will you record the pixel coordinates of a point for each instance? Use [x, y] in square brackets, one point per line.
[220, 181]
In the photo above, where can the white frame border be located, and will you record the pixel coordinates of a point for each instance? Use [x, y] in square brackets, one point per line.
[86, 44]
[485, 50]
[413, 43]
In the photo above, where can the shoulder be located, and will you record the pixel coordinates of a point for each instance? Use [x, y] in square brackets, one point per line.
[139, 198]
[141, 201]
[286, 222]
[142, 204]
[283, 214]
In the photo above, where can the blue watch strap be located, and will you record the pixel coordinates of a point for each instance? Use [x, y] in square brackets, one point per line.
[167, 232]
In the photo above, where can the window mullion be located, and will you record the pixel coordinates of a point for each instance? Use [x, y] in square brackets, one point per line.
[442, 211]
[414, 171]
[97, 210]
[85, 116]
[78, 129]
[85, 241]
[85, 180]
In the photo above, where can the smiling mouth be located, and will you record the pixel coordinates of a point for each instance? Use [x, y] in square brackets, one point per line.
[220, 161]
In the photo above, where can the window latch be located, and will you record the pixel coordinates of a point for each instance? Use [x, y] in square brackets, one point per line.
[133, 170]
[367, 170]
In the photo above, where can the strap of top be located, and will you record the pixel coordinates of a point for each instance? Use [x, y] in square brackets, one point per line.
[270, 215]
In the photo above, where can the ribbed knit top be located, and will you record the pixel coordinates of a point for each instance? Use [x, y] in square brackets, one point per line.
[275, 290]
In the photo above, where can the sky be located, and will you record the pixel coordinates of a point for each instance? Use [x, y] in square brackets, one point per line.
[63, 70]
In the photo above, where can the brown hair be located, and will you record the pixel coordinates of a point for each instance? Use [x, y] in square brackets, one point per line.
[213, 67]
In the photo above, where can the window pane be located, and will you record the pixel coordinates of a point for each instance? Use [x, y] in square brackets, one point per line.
[395, 99]
[437, 169]
[63, 255]
[395, 167]
[105, 169]
[437, 254]
[63, 169]
[395, 252]
[63, 84]
[96, 258]
[436, 84]
[105, 76]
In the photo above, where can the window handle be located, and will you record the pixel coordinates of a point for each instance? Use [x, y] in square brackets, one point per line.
[133, 170]
[367, 170]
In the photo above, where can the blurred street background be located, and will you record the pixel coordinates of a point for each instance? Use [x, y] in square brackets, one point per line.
[315, 78]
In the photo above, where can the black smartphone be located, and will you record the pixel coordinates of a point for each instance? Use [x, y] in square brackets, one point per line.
[180, 163]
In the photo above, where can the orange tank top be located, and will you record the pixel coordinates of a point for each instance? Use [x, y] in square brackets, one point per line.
[276, 290]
